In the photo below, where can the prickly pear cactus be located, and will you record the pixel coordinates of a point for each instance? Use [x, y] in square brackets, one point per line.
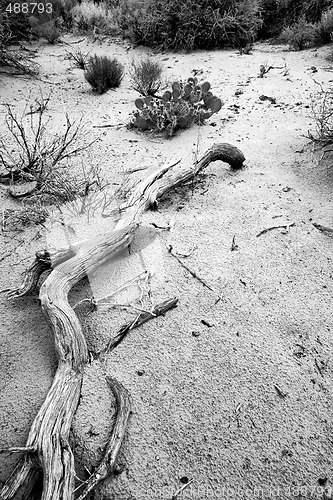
[186, 103]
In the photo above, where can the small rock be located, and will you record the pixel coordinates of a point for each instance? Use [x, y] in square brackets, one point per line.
[196, 334]
[140, 372]
[119, 469]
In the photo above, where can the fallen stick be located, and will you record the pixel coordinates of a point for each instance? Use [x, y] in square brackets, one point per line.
[182, 488]
[158, 310]
[193, 273]
[282, 226]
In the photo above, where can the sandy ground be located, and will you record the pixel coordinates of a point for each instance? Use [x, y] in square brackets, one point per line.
[242, 406]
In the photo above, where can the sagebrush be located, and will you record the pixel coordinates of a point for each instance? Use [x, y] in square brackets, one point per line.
[104, 73]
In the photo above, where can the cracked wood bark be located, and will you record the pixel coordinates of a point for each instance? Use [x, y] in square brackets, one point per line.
[49, 433]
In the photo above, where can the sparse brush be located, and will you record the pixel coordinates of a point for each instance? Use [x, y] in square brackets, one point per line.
[103, 73]
[32, 214]
[300, 35]
[322, 111]
[88, 16]
[31, 154]
[146, 76]
[20, 62]
[48, 30]
[325, 28]
[79, 58]
[187, 103]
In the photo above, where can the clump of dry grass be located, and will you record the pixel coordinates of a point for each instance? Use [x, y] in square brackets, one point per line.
[27, 215]
[103, 73]
[79, 58]
[146, 76]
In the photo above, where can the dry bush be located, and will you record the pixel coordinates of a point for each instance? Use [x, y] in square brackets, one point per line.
[300, 35]
[30, 153]
[88, 17]
[325, 28]
[48, 30]
[103, 73]
[322, 111]
[146, 76]
[79, 58]
[192, 24]
[18, 61]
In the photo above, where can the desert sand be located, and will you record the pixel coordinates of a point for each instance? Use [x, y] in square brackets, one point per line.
[233, 388]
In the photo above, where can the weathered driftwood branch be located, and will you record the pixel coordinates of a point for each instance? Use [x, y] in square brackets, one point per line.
[107, 465]
[49, 434]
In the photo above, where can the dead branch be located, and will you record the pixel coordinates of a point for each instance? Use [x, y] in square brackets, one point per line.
[281, 226]
[181, 489]
[142, 318]
[49, 433]
[193, 273]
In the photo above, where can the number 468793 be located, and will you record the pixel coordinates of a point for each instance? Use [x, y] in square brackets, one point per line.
[29, 8]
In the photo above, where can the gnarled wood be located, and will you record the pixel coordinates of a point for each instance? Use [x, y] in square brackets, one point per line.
[49, 433]
[107, 465]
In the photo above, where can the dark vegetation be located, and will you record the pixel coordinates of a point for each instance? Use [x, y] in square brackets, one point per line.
[103, 73]
[186, 103]
[177, 24]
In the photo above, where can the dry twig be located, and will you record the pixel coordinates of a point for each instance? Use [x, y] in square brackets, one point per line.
[182, 488]
[194, 274]
[281, 226]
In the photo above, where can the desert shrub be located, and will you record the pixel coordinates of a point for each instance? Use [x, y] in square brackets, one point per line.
[311, 10]
[62, 12]
[103, 73]
[325, 28]
[31, 153]
[20, 62]
[279, 14]
[126, 15]
[79, 58]
[300, 35]
[146, 76]
[89, 16]
[47, 30]
[194, 24]
[13, 25]
[322, 112]
[187, 103]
